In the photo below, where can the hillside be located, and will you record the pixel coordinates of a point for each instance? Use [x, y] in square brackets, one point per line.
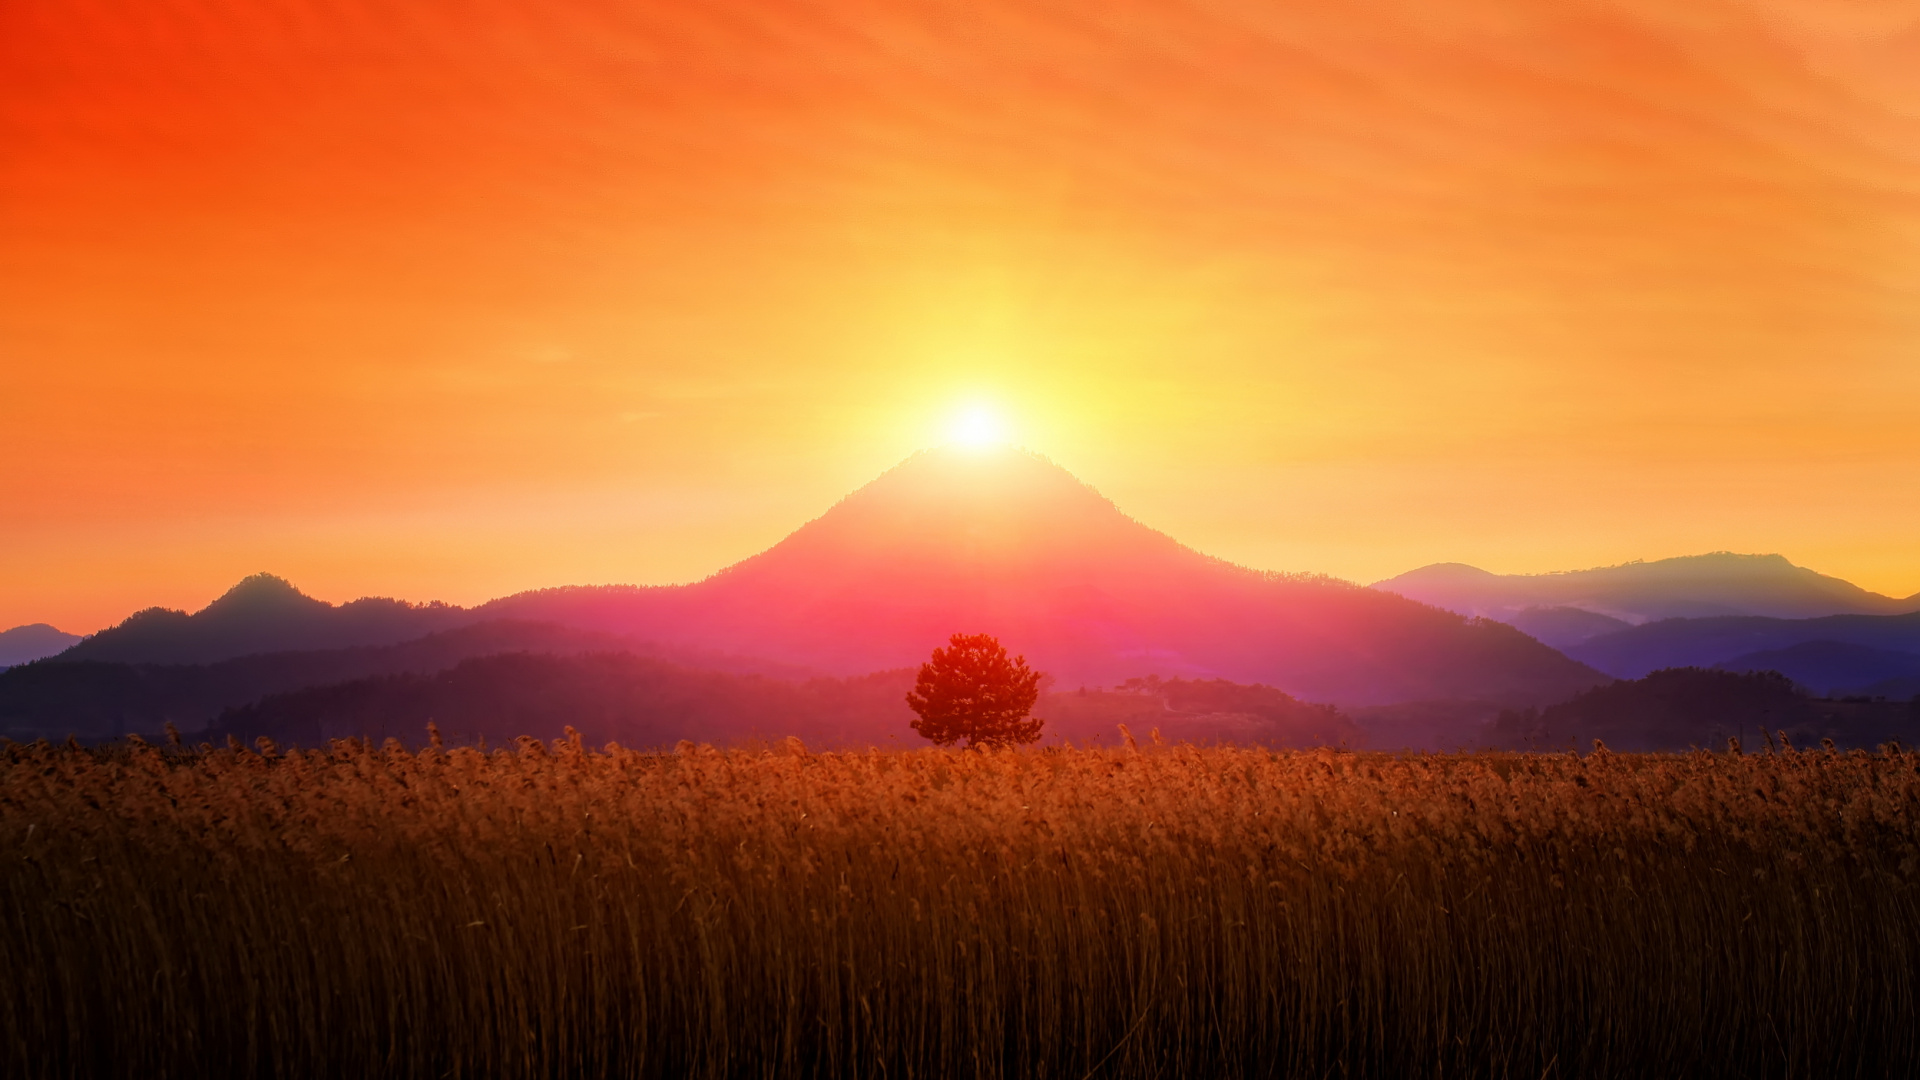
[1679, 708]
[1631, 653]
[1835, 667]
[1563, 626]
[97, 699]
[644, 702]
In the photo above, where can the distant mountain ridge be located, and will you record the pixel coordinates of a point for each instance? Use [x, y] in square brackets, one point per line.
[1837, 667]
[949, 541]
[1734, 612]
[264, 614]
[25, 644]
[105, 699]
[1565, 609]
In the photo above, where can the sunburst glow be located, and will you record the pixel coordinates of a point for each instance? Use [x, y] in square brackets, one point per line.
[977, 426]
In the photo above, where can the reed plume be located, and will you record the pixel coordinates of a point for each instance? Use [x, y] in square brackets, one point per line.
[1142, 911]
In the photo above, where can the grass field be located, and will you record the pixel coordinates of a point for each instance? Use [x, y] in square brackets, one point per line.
[1159, 911]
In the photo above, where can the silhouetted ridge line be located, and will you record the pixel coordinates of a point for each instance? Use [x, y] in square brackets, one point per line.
[1002, 541]
[98, 699]
[1694, 586]
[262, 614]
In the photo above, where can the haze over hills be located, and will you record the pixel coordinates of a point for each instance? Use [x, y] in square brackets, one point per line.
[1837, 667]
[1566, 608]
[956, 540]
[639, 701]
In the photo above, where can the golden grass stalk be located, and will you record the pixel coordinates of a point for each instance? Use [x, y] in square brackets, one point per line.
[1147, 911]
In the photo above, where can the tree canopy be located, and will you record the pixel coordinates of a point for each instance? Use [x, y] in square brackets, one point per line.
[973, 690]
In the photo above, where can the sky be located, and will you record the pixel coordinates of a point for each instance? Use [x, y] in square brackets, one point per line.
[447, 300]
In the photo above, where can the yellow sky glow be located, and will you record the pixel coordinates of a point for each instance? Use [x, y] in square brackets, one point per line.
[455, 301]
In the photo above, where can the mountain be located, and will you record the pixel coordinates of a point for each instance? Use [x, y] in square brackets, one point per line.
[24, 644]
[1693, 586]
[1008, 543]
[1833, 667]
[1631, 653]
[950, 541]
[263, 614]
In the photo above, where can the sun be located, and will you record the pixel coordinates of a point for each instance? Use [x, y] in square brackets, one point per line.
[977, 426]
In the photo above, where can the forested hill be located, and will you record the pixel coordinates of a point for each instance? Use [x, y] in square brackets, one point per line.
[645, 703]
[1682, 708]
[263, 614]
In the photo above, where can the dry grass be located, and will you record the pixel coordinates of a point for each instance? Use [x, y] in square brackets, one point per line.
[1173, 912]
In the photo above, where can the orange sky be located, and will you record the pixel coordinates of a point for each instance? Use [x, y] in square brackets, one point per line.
[446, 300]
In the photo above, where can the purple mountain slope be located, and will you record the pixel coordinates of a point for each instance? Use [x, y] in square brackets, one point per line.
[24, 644]
[953, 541]
[1008, 543]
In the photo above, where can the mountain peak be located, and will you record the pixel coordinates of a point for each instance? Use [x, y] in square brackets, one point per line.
[262, 613]
[1002, 483]
[263, 594]
[954, 515]
[1006, 542]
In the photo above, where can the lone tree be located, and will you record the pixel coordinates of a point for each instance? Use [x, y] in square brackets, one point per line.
[971, 690]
